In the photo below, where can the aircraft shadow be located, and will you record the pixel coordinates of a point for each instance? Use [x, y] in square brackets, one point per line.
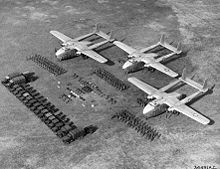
[110, 63]
[100, 49]
[199, 97]
[183, 54]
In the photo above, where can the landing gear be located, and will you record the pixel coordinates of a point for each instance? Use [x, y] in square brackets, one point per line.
[73, 53]
[84, 57]
[150, 69]
[170, 113]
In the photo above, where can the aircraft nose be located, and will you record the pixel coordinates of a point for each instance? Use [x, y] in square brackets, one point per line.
[126, 64]
[148, 108]
[60, 52]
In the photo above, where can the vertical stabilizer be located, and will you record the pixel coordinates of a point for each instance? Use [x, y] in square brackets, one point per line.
[162, 39]
[97, 28]
[183, 77]
[110, 37]
[193, 76]
[179, 48]
[205, 85]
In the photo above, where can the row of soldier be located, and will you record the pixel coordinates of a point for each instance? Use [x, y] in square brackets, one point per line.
[111, 79]
[47, 64]
[147, 131]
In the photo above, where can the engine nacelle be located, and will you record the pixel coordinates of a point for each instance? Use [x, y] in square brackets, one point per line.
[60, 53]
[65, 53]
[158, 110]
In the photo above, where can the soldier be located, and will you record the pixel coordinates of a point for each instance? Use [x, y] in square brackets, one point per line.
[129, 122]
[127, 119]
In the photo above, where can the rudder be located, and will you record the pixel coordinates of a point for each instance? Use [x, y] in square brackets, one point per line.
[162, 39]
[179, 48]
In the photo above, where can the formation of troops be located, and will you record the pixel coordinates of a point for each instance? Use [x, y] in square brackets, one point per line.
[48, 65]
[139, 125]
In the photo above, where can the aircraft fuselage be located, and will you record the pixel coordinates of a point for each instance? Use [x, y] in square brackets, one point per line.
[140, 57]
[79, 46]
[171, 98]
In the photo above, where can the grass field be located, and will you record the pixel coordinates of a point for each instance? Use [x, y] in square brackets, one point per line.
[27, 143]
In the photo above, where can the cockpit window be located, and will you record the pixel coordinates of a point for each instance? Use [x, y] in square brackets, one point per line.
[132, 60]
[153, 103]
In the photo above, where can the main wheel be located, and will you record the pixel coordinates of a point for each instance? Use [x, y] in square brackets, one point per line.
[73, 53]
[84, 57]
[150, 69]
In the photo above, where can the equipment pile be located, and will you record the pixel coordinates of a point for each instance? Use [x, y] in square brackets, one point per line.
[97, 90]
[56, 120]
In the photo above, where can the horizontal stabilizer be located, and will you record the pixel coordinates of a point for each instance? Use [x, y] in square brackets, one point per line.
[176, 50]
[165, 57]
[105, 36]
[190, 98]
[110, 37]
[202, 88]
[183, 77]
[205, 84]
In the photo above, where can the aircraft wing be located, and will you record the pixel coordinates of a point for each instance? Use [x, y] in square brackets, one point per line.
[92, 54]
[163, 69]
[61, 36]
[144, 86]
[124, 47]
[191, 113]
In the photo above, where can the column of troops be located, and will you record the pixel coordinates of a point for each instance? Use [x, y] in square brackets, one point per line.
[111, 79]
[47, 64]
[140, 126]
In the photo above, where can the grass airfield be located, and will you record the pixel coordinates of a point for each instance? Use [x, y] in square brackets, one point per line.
[27, 143]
